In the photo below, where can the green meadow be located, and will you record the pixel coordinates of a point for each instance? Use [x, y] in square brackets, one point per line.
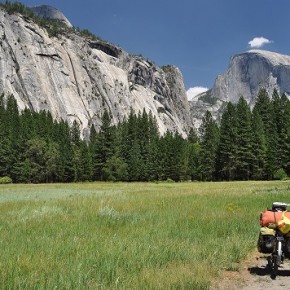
[129, 235]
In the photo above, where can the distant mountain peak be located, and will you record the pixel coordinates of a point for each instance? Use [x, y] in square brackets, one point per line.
[49, 12]
[274, 57]
[248, 72]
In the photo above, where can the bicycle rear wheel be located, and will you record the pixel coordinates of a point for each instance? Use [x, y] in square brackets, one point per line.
[276, 259]
[275, 267]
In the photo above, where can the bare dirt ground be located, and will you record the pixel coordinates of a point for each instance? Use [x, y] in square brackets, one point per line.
[255, 275]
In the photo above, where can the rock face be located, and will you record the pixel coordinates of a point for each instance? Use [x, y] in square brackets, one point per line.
[247, 74]
[76, 78]
[206, 102]
[49, 12]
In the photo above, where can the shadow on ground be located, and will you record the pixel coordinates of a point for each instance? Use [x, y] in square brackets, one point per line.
[265, 270]
[260, 271]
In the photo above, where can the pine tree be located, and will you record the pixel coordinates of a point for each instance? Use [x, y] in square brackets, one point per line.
[12, 123]
[142, 138]
[65, 163]
[193, 160]
[134, 170]
[259, 146]
[185, 168]
[28, 121]
[75, 141]
[79, 152]
[75, 133]
[276, 129]
[52, 155]
[153, 163]
[142, 132]
[192, 136]
[154, 159]
[35, 154]
[264, 107]
[284, 134]
[209, 136]
[104, 146]
[244, 154]
[227, 149]
[5, 144]
[170, 154]
[130, 147]
[82, 162]
[116, 169]
[93, 152]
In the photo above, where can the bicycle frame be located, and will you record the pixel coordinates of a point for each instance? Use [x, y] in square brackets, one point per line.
[277, 257]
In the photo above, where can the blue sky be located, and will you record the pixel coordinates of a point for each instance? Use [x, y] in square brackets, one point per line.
[197, 36]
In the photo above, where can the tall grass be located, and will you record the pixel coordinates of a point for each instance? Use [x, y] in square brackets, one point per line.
[128, 235]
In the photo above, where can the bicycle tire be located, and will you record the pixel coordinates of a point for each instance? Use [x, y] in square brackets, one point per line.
[274, 268]
[276, 260]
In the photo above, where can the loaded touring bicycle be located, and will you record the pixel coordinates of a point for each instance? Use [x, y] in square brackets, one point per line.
[274, 237]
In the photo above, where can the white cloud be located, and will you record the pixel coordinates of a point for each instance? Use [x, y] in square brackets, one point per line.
[192, 92]
[258, 42]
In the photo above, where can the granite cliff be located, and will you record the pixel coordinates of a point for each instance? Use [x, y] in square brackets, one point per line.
[77, 77]
[247, 73]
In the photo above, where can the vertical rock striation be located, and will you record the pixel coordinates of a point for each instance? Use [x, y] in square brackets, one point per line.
[77, 78]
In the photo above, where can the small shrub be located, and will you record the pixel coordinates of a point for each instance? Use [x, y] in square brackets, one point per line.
[280, 174]
[5, 180]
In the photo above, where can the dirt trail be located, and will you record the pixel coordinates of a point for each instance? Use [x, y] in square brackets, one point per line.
[254, 275]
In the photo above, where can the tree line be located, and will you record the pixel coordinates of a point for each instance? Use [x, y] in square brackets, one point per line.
[246, 145]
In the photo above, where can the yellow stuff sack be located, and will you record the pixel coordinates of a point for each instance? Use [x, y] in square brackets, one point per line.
[284, 224]
[267, 231]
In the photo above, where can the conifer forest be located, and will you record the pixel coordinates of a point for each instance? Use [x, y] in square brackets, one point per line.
[245, 144]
